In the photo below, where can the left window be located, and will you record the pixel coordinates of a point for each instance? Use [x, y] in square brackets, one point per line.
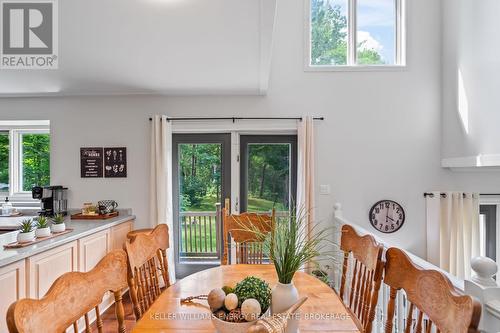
[24, 157]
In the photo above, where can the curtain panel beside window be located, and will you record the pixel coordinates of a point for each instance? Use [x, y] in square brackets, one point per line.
[305, 171]
[161, 209]
[453, 231]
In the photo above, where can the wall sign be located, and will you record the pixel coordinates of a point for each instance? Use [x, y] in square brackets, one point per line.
[115, 162]
[91, 162]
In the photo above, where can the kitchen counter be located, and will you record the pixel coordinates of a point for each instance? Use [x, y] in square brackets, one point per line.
[81, 228]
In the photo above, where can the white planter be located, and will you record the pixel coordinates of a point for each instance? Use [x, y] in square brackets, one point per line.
[283, 297]
[26, 237]
[58, 227]
[227, 327]
[43, 232]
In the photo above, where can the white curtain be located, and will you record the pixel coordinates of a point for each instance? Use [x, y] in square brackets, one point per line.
[161, 209]
[453, 231]
[305, 169]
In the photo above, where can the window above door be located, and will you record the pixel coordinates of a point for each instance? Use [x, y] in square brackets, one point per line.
[355, 35]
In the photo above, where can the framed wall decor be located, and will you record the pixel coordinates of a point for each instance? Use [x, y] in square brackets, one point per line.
[115, 162]
[91, 162]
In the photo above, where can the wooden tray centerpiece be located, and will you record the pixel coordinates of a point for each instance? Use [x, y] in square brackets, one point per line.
[80, 216]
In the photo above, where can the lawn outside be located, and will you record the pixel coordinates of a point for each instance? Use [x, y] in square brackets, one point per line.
[254, 205]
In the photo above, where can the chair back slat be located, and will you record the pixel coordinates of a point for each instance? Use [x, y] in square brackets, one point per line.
[249, 248]
[87, 324]
[146, 256]
[435, 305]
[367, 295]
[361, 274]
[71, 297]
[98, 320]
[409, 319]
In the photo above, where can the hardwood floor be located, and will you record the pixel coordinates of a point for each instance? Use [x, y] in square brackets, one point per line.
[109, 317]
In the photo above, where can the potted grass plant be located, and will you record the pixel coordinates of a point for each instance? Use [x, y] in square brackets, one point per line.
[58, 224]
[42, 227]
[26, 231]
[291, 246]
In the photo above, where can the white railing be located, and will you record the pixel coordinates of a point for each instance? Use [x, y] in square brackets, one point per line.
[482, 286]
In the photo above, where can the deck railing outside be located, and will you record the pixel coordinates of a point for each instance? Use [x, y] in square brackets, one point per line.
[200, 235]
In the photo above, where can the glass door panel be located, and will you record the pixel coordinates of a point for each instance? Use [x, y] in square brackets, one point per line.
[268, 172]
[201, 180]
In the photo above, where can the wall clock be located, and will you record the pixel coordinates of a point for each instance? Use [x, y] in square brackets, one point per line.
[387, 216]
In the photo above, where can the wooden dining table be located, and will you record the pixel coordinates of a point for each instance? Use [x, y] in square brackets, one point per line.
[322, 312]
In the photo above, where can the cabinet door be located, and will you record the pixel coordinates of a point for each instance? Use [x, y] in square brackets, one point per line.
[13, 288]
[44, 268]
[92, 249]
[119, 234]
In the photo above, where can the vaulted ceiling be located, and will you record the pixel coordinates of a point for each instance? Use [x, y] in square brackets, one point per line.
[155, 46]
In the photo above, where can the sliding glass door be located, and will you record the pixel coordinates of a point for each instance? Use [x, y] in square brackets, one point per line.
[268, 172]
[202, 182]
[201, 178]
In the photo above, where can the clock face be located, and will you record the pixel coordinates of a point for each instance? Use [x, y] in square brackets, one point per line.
[387, 216]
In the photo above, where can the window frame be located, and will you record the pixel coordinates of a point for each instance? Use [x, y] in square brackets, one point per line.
[493, 201]
[491, 222]
[401, 38]
[16, 130]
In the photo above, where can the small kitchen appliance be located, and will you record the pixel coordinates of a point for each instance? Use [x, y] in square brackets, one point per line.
[54, 199]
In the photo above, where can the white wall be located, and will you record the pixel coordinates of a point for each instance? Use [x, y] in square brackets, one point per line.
[471, 101]
[470, 46]
[381, 138]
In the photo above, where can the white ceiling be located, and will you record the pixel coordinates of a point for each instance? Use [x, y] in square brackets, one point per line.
[155, 46]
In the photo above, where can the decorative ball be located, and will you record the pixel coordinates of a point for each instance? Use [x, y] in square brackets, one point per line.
[254, 287]
[231, 302]
[235, 316]
[250, 309]
[228, 290]
[216, 299]
[221, 314]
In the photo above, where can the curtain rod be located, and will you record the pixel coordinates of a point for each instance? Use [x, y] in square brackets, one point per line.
[481, 194]
[238, 118]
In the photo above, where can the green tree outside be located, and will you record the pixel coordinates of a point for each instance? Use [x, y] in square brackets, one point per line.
[36, 160]
[329, 37]
[200, 177]
[4, 162]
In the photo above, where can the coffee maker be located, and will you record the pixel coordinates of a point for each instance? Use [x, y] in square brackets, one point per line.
[54, 199]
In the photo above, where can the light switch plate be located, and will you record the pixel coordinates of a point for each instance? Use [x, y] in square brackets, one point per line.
[324, 189]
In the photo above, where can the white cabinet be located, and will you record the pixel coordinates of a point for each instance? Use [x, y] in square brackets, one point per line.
[13, 288]
[92, 249]
[119, 234]
[44, 268]
[32, 277]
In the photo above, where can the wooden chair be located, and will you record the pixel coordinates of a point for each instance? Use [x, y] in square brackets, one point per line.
[147, 263]
[431, 296]
[131, 234]
[249, 249]
[71, 297]
[366, 268]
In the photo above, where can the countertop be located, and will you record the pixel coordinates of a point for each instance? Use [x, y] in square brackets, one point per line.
[81, 228]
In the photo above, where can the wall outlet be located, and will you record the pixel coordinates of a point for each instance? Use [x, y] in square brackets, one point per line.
[324, 189]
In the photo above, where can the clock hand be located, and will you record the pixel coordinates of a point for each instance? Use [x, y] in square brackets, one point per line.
[390, 219]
